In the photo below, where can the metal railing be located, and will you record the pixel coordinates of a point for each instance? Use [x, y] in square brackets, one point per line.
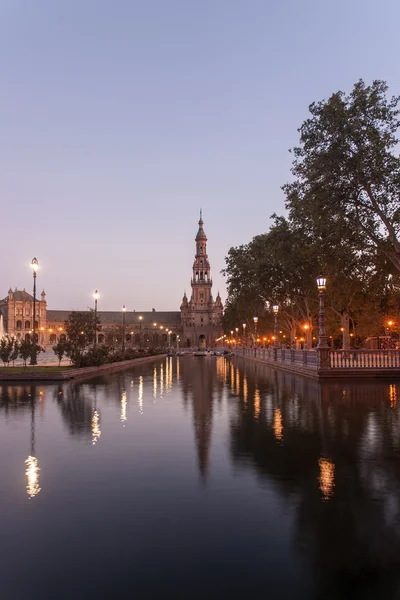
[301, 358]
[364, 359]
[327, 359]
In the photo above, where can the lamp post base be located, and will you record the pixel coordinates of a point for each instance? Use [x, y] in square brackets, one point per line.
[323, 342]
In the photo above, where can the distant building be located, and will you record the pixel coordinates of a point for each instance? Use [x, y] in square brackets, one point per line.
[16, 311]
[201, 317]
[198, 324]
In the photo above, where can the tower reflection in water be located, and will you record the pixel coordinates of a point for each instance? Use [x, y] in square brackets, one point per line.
[202, 382]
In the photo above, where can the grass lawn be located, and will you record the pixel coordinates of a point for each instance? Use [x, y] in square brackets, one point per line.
[28, 369]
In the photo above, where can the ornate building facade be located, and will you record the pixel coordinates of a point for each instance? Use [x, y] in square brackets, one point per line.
[197, 324]
[201, 317]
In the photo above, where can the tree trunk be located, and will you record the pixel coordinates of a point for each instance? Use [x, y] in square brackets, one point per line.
[309, 337]
[345, 323]
[293, 331]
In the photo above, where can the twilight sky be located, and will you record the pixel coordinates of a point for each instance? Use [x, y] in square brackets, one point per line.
[120, 119]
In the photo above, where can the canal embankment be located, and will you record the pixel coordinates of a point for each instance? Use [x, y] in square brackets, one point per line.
[50, 374]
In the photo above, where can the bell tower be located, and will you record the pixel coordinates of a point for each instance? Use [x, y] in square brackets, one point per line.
[201, 279]
[201, 316]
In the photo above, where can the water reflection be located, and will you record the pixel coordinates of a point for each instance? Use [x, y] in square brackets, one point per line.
[335, 448]
[201, 384]
[328, 452]
[326, 477]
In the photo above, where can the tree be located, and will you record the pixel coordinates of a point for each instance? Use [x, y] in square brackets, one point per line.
[15, 351]
[346, 169]
[61, 349]
[80, 328]
[6, 346]
[27, 349]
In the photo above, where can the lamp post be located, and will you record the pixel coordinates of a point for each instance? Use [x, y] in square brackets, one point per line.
[140, 330]
[322, 339]
[244, 333]
[35, 267]
[255, 319]
[96, 297]
[275, 308]
[123, 327]
[236, 339]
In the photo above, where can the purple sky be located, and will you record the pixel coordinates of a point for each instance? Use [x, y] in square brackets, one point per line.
[119, 120]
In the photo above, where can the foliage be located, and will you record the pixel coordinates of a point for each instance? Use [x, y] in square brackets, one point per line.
[61, 349]
[6, 348]
[15, 351]
[80, 328]
[343, 221]
[346, 171]
[28, 349]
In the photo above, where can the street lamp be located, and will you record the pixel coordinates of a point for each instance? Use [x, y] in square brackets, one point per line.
[244, 333]
[236, 338]
[322, 339]
[275, 308]
[140, 330]
[96, 297]
[255, 319]
[123, 327]
[35, 267]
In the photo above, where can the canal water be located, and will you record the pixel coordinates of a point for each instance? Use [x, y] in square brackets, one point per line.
[195, 477]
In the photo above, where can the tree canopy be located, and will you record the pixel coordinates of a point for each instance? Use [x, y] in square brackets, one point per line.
[343, 220]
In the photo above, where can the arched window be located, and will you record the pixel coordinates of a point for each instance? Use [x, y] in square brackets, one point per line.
[53, 338]
[18, 325]
[27, 324]
[137, 338]
[100, 338]
[36, 324]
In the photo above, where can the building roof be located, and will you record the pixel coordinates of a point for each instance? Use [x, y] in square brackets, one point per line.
[201, 233]
[106, 316]
[20, 295]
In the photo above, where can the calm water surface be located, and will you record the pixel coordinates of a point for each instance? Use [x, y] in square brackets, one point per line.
[197, 478]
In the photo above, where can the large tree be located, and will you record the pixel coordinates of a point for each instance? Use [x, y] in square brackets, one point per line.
[347, 168]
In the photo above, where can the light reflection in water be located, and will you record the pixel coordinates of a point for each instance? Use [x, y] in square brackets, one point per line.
[161, 381]
[232, 379]
[140, 394]
[178, 372]
[155, 383]
[326, 477]
[96, 431]
[278, 426]
[393, 395]
[123, 408]
[237, 382]
[257, 403]
[32, 476]
[169, 376]
[245, 390]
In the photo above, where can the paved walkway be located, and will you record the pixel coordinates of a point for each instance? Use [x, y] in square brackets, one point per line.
[47, 358]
